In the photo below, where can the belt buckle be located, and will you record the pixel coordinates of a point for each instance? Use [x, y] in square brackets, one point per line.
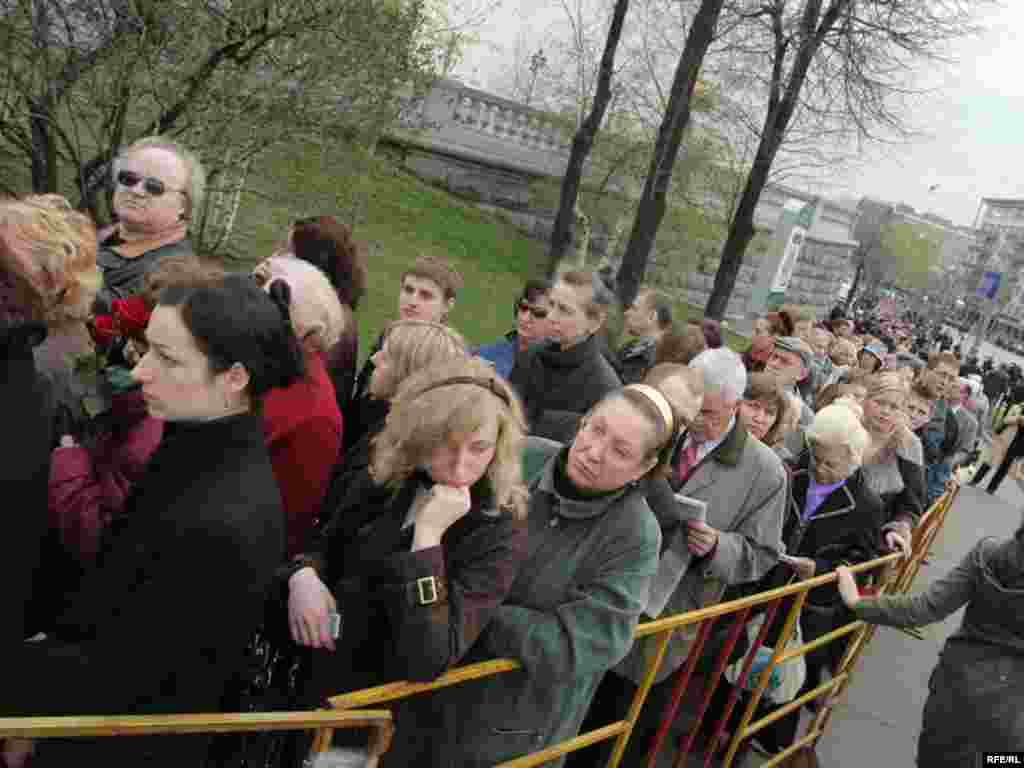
[427, 589]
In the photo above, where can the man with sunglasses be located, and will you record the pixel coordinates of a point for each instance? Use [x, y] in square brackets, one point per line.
[531, 313]
[647, 320]
[157, 185]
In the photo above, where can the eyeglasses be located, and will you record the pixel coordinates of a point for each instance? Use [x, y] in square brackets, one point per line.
[152, 186]
[539, 313]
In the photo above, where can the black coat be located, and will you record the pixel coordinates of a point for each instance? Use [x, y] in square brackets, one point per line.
[26, 413]
[409, 615]
[557, 387]
[163, 621]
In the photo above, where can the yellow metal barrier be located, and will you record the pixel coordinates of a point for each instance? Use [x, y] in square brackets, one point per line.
[151, 725]
[895, 580]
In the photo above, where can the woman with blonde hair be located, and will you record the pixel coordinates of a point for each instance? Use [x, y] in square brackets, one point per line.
[36, 237]
[894, 464]
[68, 257]
[423, 548]
[407, 346]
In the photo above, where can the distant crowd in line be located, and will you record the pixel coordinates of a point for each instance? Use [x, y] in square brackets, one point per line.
[206, 479]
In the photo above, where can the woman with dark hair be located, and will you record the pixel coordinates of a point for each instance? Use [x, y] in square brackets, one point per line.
[763, 408]
[531, 312]
[712, 331]
[976, 692]
[162, 623]
[327, 244]
[680, 346]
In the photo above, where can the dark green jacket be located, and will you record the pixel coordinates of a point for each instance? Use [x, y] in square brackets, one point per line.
[569, 617]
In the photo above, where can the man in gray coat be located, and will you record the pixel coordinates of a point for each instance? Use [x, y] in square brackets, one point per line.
[744, 485]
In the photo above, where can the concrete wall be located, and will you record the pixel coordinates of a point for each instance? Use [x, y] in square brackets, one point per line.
[489, 150]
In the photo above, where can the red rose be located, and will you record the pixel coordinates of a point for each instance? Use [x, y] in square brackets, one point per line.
[104, 329]
[132, 315]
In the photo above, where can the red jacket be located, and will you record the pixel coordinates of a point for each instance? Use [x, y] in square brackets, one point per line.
[88, 486]
[303, 428]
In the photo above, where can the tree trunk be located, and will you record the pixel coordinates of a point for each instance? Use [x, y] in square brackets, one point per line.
[44, 151]
[854, 286]
[652, 204]
[583, 142]
[782, 102]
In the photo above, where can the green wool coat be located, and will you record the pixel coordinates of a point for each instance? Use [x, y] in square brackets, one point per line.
[569, 617]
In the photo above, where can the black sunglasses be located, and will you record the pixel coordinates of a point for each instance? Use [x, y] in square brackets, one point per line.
[539, 313]
[152, 187]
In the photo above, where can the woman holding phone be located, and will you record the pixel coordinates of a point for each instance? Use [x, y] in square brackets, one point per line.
[410, 567]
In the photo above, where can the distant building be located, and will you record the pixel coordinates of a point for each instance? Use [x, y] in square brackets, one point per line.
[1002, 219]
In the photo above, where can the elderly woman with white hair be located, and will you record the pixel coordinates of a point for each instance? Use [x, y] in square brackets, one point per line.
[302, 422]
[834, 518]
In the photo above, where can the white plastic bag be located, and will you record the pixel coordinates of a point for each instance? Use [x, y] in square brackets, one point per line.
[787, 678]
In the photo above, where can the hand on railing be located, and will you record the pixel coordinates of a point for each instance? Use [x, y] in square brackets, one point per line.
[847, 586]
[897, 539]
[804, 566]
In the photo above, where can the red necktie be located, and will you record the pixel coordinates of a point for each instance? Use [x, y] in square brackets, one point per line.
[687, 461]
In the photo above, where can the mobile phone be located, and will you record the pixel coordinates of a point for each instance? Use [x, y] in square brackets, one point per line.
[693, 509]
[334, 624]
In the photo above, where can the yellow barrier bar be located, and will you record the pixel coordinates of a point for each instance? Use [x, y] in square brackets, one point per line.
[580, 742]
[762, 682]
[835, 634]
[638, 700]
[785, 709]
[147, 725]
[795, 746]
[734, 606]
[403, 689]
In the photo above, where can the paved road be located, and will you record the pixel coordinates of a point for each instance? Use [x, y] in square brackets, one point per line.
[878, 723]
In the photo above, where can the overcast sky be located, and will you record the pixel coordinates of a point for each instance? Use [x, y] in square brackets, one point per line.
[973, 125]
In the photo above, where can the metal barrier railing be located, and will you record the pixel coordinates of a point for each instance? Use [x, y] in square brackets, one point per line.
[379, 721]
[346, 712]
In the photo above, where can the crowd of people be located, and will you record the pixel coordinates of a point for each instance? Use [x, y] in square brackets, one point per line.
[201, 468]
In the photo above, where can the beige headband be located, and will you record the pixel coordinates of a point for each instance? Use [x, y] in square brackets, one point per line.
[660, 402]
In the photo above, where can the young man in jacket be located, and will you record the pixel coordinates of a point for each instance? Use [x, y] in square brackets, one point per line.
[647, 320]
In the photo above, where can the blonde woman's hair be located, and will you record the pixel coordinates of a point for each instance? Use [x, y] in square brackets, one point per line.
[53, 247]
[195, 190]
[413, 345]
[841, 423]
[422, 418]
[315, 308]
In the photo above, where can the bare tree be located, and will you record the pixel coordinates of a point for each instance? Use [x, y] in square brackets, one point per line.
[231, 79]
[835, 71]
[651, 209]
[583, 141]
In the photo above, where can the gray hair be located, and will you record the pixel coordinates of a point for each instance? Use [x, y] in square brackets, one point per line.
[723, 372]
[195, 189]
[840, 424]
